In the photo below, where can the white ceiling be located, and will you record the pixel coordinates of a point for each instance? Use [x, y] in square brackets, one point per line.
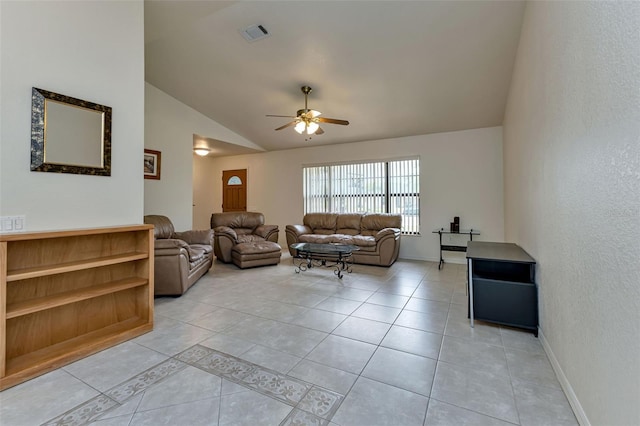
[392, 68]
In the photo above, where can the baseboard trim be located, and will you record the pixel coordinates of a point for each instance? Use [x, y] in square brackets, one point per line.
[422, 259]
[581, 416]
[462, 261]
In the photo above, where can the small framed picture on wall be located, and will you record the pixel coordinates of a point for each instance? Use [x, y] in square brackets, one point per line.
[152, 161]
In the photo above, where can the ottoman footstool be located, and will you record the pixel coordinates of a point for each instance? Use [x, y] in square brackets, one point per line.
[256, 253]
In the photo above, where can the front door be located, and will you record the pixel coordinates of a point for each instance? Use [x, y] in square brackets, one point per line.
[234, 190]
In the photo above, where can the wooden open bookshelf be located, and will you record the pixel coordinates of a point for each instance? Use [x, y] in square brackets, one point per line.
[68, 294]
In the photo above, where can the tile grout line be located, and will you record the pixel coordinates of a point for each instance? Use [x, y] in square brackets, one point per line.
[378, 346]
[513, 391]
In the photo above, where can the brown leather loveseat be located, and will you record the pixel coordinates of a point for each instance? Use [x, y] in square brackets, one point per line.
[244, 239]
[181, 258]
[376, 234]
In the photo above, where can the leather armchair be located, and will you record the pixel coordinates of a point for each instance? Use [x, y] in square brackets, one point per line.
[233, 228]
[181, 258]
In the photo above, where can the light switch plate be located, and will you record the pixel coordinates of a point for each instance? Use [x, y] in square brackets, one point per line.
[12, 224]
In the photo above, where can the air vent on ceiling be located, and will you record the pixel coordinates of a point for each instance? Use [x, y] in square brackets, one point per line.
[254, 32]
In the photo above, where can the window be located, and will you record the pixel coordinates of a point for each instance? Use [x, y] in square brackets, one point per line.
[378, 187]
[234, 180]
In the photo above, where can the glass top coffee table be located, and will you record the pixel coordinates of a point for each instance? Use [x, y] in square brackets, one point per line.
[336, 256]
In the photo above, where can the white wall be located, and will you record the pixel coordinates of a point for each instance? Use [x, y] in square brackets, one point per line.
[88, 50]
[203, 201]
[169, 128]
[461, 175]
[572, 195]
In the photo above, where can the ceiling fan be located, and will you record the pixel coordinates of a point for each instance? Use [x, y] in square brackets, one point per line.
[306, 120]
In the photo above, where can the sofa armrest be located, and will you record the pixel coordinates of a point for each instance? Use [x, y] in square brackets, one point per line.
[225, 231]
[169, 243]
[298, 230]
[204, 236]
[388, 242]
[224, 238]
[387, 231]
[293, 233]
[171, 247]
[267, 231]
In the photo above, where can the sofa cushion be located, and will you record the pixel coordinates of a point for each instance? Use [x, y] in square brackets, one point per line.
[204, 247]
[243, 231]
[195, 254]
[348, 224]
[249, 238]
[364, 241]
[316, 238]
[250, 220]
[265, 248]
[342, 239]
[374, 222]
[204, 236]
[321, 223]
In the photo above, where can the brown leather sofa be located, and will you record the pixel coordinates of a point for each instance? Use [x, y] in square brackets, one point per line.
[376, 234]
[244, 239]
[181, 258]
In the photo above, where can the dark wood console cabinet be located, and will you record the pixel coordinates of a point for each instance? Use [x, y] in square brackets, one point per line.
[502, 286]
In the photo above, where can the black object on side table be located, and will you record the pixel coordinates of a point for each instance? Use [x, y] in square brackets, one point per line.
[451, 247]
[502, 286]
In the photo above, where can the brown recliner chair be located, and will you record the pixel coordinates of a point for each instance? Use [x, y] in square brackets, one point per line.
[181, 258]
[244, 239]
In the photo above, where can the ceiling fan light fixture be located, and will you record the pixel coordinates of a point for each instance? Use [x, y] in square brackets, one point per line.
[300, 127]
[312, 127]
[306, 120]
[201, 151]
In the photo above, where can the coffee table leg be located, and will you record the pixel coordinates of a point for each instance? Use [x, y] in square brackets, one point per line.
[339, 266]
[342, 265]
[305, 263]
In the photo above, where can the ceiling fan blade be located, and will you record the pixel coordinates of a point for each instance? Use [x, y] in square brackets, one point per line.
[319, 131]
[285, 116]
[287, 125]
[331, 120]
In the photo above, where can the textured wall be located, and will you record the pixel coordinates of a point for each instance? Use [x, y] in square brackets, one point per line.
[169, 128]
[572, 193]
[88, 50]
[460, 175]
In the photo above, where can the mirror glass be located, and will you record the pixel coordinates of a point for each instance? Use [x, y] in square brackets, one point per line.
[69, 135]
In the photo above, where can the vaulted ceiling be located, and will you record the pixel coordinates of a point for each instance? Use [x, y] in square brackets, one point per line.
[392, 68]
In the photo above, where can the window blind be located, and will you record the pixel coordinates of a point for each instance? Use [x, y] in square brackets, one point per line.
[372, 187]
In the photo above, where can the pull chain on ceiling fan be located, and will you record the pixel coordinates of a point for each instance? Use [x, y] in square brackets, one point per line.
[306, 120]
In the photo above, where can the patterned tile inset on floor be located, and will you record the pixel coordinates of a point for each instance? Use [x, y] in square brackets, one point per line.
[321, 402]
[313, 405]
[193, 354]
[302, 418]
[312, 400]
[96, 407]
[276, 385]
[142, 381]
[84, 413]
[225, 366]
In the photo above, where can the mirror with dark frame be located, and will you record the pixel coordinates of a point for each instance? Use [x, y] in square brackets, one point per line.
[69, 135]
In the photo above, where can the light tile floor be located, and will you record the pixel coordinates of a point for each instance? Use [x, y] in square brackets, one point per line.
[267, 346]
